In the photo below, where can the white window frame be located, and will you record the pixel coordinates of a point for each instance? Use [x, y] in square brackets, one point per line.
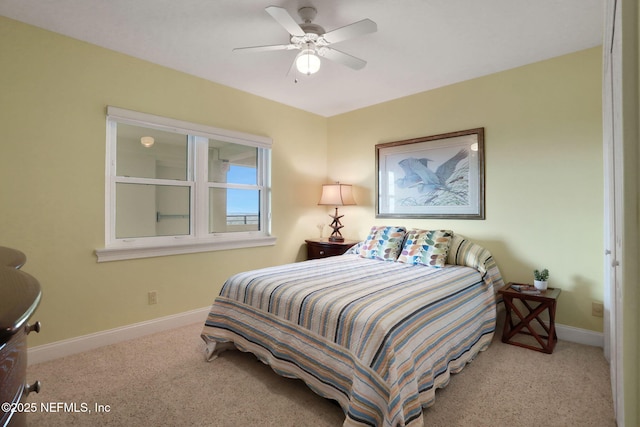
[199, 239]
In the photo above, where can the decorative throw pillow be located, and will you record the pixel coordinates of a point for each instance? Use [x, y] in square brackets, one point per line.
[383, 243]
[354, 250]
[426, 247]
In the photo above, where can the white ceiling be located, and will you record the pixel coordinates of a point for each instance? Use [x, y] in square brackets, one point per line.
[420, 44]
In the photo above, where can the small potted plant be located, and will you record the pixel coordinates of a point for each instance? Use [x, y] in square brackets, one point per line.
[540, 279]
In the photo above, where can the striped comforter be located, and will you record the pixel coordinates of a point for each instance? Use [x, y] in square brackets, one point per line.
[378, 337]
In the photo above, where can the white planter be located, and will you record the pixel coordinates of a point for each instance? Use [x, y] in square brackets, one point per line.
[540, 285]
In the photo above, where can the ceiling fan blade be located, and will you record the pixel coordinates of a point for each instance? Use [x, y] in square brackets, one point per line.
[292, 67]
[282, 16]
[265, 48]
[359, 28]
[343, 58]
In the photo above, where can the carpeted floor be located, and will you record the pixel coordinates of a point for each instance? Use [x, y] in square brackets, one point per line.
[163, 380]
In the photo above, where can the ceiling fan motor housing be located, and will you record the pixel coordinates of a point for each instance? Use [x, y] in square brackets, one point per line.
[313, 32]
[310, 28]
[307, 14]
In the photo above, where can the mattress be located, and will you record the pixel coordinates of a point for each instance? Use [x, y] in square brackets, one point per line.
[378, 337]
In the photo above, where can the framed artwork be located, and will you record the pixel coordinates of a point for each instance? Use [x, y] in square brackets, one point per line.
[439, 176]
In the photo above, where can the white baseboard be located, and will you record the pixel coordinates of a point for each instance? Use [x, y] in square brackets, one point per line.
[565, 333]
[580, 336]
[55, 350]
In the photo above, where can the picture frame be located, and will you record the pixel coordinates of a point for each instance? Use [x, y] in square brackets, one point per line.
[438, 176]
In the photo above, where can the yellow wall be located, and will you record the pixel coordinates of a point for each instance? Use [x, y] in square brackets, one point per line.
[544, 171]
[632, 369]
[53, 97]
[543, 174]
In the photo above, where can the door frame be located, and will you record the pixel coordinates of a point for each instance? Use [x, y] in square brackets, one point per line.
[613, 203]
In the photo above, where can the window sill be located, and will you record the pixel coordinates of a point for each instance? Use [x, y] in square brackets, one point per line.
[134, 252]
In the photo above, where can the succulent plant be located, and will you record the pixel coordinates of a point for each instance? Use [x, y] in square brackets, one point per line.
[541, 275]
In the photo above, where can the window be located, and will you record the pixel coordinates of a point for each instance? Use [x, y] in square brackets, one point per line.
[177, 187]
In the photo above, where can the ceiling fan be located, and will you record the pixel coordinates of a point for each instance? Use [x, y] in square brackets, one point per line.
[312, 41]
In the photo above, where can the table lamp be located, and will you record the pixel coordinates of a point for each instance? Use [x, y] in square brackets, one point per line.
[336, 195]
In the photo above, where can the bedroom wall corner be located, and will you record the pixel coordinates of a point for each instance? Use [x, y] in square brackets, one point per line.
[52, 169]
[544, 172]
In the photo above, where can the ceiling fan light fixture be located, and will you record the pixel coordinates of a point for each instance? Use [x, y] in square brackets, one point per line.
[147, 141]
[308, 62]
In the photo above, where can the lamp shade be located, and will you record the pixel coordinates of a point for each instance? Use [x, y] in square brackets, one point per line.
[336, 195]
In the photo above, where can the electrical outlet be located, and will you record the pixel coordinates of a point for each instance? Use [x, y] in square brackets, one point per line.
[597, 309]
[153, 297]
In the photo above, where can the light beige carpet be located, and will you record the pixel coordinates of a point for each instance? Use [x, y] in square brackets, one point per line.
[163, 380]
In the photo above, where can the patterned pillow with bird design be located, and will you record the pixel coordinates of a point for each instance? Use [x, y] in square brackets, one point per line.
[426, 247]
[383, 243]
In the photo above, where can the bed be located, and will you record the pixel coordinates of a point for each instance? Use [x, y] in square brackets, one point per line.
[377, 329]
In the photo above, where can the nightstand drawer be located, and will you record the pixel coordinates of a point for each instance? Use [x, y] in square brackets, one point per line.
[322, 248]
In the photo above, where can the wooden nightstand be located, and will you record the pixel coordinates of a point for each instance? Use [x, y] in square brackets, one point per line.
[546, 301]
[322, 248]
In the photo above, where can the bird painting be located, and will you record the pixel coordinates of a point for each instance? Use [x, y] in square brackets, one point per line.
[444, 186]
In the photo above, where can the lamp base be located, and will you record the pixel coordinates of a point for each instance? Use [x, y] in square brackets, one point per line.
[336, 236]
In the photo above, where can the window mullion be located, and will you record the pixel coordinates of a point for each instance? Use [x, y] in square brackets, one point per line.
[201, 210]
[237, 186]
[264, 181]
[152, 181]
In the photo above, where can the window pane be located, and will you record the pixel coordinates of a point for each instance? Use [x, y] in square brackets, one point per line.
[166, 158]
[242, 175]
[232, 163]
[152, 210]
[232, 210]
